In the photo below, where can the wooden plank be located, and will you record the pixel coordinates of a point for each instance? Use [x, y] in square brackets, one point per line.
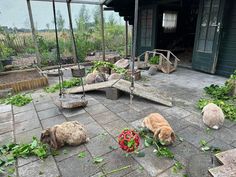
[224, 171]
[149, 93]
[227, 157]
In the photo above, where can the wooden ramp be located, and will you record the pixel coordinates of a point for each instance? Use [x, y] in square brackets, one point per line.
[149, 93]
[228, 169]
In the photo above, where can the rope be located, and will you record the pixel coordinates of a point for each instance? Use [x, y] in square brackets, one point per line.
[75, 47]
[58, 52]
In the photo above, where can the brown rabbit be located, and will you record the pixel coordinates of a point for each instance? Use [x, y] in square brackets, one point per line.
[160, 127]
[70, 133]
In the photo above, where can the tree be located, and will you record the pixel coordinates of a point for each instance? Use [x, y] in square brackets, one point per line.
[97, 16]
[48, 26]
[83, 18]
[60, 21]
[111, 20]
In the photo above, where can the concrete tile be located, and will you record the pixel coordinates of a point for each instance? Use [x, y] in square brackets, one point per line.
[177, 112]
[116, 127]
[26, 126]
[27, 107]
[26, 137]
[138, 173]
[71, 151]
[153, 164]
[194, 136]
[195, 120]
[229, 123]
[177, 124]
[130, 115]
[99, 145]
[25, 116]
[6, 138]
[115, 160]
[84, 118]
[6, 127]
[169, 173]
[47, 123]
[96, 109]
[24, 161]
[43, 106]
[105, 117]
[73, 112]
[5, 108]
[117, 107]
[74, 166]
[218, 143]
[227, 135]
[234, 144]
[45, 168]
[183, 151]
[6, 117]
[48, 113]
[94, 129]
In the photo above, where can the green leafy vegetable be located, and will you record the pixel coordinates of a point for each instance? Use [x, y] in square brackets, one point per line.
[165, 152]
[177, 167]
[154, 60]
[98, 160]
[82, 155]
[17, 100]
[140, 154]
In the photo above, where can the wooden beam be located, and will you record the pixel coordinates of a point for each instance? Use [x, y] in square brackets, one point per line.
[126, 39]
[34, 33]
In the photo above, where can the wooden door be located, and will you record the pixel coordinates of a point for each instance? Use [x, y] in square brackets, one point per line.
[207, 36]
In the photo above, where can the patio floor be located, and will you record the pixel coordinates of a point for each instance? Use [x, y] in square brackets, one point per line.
[104, 120]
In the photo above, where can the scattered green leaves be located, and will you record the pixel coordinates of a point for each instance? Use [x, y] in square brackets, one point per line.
[17, 100]
[218, 92]
[140, 154]
[113, 147]
[177, 167]
[165, 152]
[154, 60]
[65, 151]
[66, 84]
[97, 160]
[206, 147]
[9, 153]
[82, 154]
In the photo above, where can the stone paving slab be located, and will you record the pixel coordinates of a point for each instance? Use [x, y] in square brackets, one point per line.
[105, 117]
[26, 137]
[5, 108]
[48, 113]
[171, 173]
[99, 145]
[25, 116]
[26, 126]
[6, 117]
[47, 123]
[152, 164]
[228, 135]
[27, 107]
[72, 112]
[94, 129]
[177, 112]
[96, 109]
[84, 118]
[45, 168]
[130, 115]
[78, 167]
[43, 106]
[6, 127]
[6, 138]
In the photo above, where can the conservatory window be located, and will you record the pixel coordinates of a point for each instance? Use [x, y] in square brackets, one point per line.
[169, 22]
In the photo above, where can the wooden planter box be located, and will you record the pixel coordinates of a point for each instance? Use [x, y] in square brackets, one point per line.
[137, 75]
[23, 85]
[78, 72]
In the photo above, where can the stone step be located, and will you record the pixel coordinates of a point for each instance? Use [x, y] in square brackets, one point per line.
[228, 169]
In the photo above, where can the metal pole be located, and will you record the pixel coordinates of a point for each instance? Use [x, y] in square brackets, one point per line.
[58, 49]
[74, 43]
[33, 33]
[103, 35]
[134, 39]
[126, 39]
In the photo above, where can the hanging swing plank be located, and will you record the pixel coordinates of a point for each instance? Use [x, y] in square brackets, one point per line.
[149, 93]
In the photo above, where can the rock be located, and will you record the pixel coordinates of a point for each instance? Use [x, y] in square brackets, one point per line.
[6, 92]
[114, 76]
[8, 67]
[152, 70]
[122, 63]
[90, 78]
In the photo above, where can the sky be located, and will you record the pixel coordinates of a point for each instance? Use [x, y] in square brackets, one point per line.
[14, 13]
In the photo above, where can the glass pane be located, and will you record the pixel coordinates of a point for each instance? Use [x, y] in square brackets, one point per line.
[214, 15]
[207, 3]
[203, 33]
[205, 16]
[209, 45]
[211, 33]
[201, 45]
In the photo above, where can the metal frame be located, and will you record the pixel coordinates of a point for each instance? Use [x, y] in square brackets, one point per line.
[92, 2]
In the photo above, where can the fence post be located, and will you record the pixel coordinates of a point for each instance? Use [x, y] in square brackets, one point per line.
[103, 35]
[33, 33]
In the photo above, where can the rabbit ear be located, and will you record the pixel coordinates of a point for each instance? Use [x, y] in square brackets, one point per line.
[156, 133]
[173, 137]
[53, 139]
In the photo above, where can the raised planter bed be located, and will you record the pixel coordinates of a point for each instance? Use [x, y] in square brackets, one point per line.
[22, 80]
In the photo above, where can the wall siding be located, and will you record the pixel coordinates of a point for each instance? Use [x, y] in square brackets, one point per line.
[227, 53]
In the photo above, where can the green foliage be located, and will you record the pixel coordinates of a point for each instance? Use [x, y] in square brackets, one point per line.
[218, 92]
[154, 60]
[17, 100]
[206, 147]
[82, 154]
[66, 84]
[97, 160]
[100, 64]
[149, 141]
[177, 167]
[5, 52]
[9, 153]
